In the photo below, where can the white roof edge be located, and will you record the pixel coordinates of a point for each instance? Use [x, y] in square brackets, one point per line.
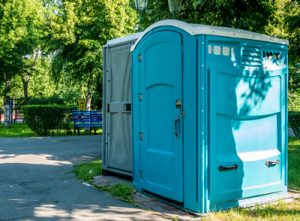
[198, 29]
[123, 40]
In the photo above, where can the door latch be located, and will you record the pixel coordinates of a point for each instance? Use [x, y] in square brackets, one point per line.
[272, 163]
[178, 104]
[224, 168]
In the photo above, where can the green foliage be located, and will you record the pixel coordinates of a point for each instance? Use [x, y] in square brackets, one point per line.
[294, 122]
[294, 101]
[248, 14]
[80, 29]
[21, 27]
[294, 78]
[292, 22]
[45, 100]
[42, 118]
[285, 23]
[69, 90]
[37, 73]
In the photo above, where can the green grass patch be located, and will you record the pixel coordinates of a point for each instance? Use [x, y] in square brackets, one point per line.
[16, 130]
[86, 172]
[22, 130]
[294, 164]
[276, 212]
[122, 191]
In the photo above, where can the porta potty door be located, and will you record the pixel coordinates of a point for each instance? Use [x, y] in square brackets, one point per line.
[117, 154]
[159, 57]
[248, 117]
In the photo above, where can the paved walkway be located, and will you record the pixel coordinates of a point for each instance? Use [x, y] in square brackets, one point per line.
[35, 183]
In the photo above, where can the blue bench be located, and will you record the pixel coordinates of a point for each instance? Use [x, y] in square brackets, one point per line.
[87, 120]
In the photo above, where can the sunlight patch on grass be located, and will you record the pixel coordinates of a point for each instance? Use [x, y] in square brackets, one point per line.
[275, 212]
[16, 130]
[22, 130]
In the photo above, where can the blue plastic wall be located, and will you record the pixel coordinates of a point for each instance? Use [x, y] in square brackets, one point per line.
[247, 119]
[203, 103]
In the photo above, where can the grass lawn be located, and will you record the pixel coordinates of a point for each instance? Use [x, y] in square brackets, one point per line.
[294, 164]
[16, 130]
[22, 130]
[276, 212]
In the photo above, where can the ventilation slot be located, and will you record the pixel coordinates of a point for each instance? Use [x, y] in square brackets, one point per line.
[251, 57]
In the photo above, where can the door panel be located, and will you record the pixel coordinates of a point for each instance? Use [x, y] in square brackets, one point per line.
[161, 87]
[118, 119]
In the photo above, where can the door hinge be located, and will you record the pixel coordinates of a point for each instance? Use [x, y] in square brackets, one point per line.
[141, 135]
[140, 58]
[141, 174]
[140, 96]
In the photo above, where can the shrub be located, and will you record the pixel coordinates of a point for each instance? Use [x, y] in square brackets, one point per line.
[45, 100]
[294, 101]
[43, 118]
[294, 122]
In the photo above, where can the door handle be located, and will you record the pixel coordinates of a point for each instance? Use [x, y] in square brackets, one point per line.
[272, 163]
[177, 126]
[224, 168]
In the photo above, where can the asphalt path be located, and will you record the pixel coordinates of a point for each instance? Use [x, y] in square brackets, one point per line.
[36, 183]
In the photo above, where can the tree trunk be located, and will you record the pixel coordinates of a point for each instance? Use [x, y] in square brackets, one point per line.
[7, 105]
[88, 100]
[25, 83]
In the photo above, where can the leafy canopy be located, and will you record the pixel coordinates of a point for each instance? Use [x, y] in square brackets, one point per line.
[21, 28]
[80, 29]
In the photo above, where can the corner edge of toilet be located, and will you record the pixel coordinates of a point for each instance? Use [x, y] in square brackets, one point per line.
[209, 115]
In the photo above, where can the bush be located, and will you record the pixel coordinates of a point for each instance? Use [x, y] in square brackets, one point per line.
[45, 100]
[294, 101]
[43, 118]
[294, 122]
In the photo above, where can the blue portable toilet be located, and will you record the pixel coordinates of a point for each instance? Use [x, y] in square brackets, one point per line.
[209, 115]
